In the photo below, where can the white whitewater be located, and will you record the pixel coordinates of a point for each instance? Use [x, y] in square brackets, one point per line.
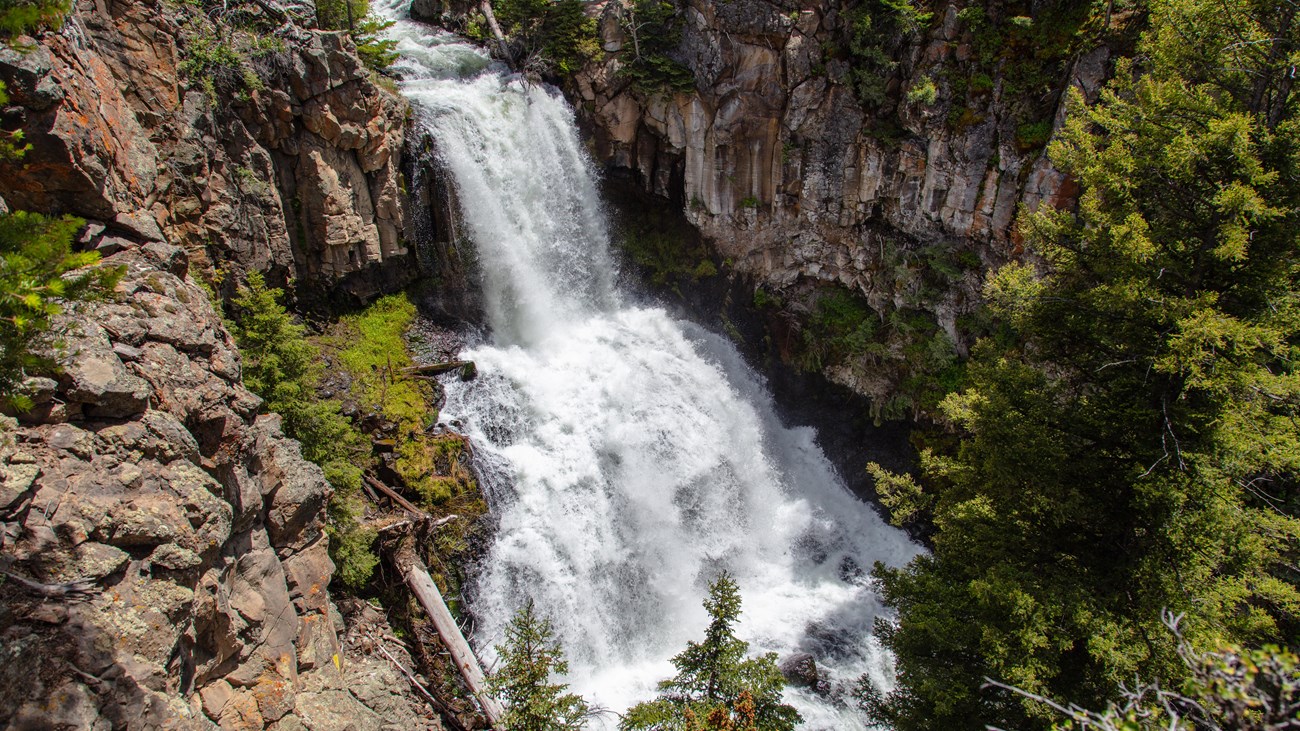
[628, 457]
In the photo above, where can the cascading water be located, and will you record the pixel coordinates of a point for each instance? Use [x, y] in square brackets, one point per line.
[627, 457]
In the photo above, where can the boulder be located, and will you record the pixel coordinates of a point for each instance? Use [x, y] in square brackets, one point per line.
[800, 670]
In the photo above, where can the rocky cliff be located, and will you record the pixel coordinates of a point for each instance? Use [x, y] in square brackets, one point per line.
[251, 149]
[147, 474]
[777, 160]
[163, 558]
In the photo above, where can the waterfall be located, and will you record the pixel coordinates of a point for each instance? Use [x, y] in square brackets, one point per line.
[627, 457]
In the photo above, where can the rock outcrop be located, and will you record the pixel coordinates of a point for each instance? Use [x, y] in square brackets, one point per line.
[774, 159]
[295, 173]
[803, 188]
[148, 472]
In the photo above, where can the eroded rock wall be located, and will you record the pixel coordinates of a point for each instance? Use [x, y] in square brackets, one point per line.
[772, 155]
[777, 162]
[298, 177]
[149, 472]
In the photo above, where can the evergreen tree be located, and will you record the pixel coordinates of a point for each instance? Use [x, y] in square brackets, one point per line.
[39, 275]
[1129, 440]
[529, 657]
[716, 687]
[284, 368]
[27, 16]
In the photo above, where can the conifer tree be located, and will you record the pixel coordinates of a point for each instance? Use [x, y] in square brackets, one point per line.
[529, 657]
[718, 688]
[38, 278]
[1129, 439]
[284, 368]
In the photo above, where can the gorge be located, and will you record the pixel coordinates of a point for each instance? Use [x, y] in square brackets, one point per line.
[627, 457]
[959, 334]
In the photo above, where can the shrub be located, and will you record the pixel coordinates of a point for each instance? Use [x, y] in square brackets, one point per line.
[284, 368]
[655, 28]
[377, 53]
[923, 92]
[21, 17]
[548, 36]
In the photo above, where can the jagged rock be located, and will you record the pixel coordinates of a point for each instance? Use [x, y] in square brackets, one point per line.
[15, 480]
[295, 490]
[308, 572]
[774, 159]
[96, 378]
[117, 139]
[800, 669]
[40, 390]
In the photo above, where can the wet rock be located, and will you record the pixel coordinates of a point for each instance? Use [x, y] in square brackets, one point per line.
[800, 669]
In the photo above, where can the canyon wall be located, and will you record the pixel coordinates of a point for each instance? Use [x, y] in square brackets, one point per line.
[800, 185]
[147, 474]
[295, 172]
[162, 543]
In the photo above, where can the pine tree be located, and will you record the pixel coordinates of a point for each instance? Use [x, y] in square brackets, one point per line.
[529, 657]
[284, 368]
[717, 688]
[1129, 439]
[39, 275]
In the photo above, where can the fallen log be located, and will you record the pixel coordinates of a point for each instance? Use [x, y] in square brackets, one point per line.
[486, 7]
[468, 371]
[392, 495]
[421, 584]
[447, 713]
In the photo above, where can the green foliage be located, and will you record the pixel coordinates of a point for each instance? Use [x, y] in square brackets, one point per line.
[40, 275]
[667, 258]
[23, 17]
[12, 146]
[1229, 688]
[1128, 443]
[900, 494]
[341, 14]
[284, 368]
[1032, 135]
[1030, 54]
[924, 92]
[655, 29]
[842, 326]
[377, 53]
[716, 686]
[373, 351]
[216, 58]
[764, 299]
[878, 28]
[548, 36]
[529, 657]
[908, 360]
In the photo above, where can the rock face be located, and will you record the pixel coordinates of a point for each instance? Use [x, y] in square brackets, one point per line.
[148, 470]
[776, 161]
[297, 176]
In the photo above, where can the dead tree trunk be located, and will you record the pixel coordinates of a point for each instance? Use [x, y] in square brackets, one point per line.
[421, 584]
[486, 7]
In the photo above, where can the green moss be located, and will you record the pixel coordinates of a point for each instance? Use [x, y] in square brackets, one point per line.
[667, 258]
